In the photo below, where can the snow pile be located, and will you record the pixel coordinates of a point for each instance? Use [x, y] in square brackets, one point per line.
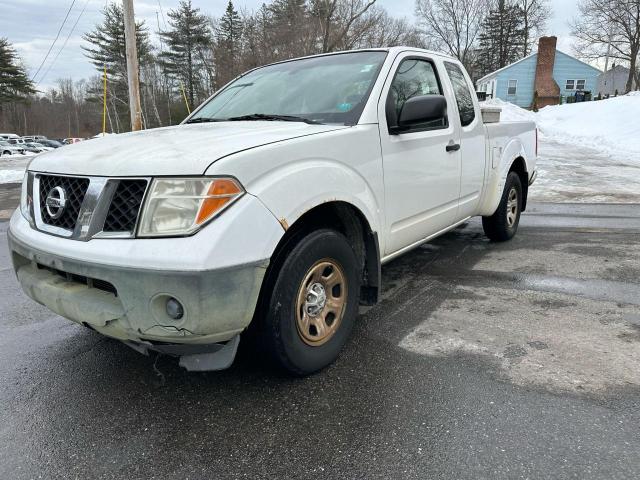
[11, 176]
[610, 126]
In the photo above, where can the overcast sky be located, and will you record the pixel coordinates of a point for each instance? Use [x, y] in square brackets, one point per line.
[32, 25]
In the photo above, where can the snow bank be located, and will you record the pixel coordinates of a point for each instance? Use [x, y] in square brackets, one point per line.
[610, 126]
[11, 176]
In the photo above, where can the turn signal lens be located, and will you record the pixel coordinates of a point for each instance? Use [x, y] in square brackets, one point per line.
[181, 206]
[221, 192]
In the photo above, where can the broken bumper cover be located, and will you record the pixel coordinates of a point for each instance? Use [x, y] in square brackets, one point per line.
[129, 304]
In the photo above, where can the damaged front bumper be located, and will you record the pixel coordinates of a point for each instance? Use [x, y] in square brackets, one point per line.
[129, 304]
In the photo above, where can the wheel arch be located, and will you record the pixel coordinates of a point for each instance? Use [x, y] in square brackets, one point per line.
[345, 218]
[519, 166]
[513, 162]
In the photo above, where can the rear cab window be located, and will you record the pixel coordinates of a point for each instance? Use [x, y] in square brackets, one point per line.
[464, 96]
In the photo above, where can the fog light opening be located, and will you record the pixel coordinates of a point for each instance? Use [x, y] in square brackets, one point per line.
[174, 308]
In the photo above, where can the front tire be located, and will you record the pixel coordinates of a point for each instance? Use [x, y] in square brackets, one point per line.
[313, 304]
[503, 224]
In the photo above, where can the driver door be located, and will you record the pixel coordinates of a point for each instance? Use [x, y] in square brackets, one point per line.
[421, 175]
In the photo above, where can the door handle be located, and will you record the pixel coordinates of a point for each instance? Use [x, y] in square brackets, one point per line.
[453, 147]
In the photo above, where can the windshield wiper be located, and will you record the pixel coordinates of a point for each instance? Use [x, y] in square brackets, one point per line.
[203, 120]
[270, 117]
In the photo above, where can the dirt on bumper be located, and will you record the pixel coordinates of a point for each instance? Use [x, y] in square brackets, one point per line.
[130, 304]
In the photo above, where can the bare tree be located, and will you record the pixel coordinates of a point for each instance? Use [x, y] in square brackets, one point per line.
[340, 20]
[452, 25]
[609, 27]
[388, 31]
[535, 15]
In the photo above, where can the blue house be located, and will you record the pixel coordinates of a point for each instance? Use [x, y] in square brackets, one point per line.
[549, 71]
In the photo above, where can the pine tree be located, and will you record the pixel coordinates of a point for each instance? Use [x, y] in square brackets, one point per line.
[108, 43]
[107, 48]
[228, 44]
[188, 37]
[15, 85]
[289, 28]
[501, 37]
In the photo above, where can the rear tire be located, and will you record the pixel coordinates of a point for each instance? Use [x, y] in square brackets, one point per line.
[503, 224]
[313, 304]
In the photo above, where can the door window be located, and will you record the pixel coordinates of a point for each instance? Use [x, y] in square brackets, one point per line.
[464, 96]
[413, 78]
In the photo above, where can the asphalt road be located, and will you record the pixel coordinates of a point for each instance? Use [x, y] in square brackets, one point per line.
[515, 360]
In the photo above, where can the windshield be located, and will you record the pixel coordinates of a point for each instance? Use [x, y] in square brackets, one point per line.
[327, 89]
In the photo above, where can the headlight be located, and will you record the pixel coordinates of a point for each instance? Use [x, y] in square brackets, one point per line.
[26, 198]
[181, 206]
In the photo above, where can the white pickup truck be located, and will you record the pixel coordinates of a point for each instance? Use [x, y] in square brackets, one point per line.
[271, 209]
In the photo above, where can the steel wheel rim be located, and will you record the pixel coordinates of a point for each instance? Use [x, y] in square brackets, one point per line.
[512, 207]
[321, 302]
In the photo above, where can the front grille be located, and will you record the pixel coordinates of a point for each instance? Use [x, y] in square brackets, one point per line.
[90, 282]
[87, 207]
[75, 189]
[125, 206]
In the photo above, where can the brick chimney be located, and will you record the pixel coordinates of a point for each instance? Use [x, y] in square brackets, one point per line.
[545, 85]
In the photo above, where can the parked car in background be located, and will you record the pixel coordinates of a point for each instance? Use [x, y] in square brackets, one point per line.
[69, 141]
[9, 137]
[7, 149]
[30, 149]
[34, 138]
[36, 147]
[51, 143]
[16, 141]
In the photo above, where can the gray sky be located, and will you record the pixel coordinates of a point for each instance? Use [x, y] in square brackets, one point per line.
[32, 25]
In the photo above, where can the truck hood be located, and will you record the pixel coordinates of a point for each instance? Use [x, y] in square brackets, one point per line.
[178, 150]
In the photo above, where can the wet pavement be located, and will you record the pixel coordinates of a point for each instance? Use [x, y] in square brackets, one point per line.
[515, 360]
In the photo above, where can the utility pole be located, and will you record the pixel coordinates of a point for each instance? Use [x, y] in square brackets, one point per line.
[132, 65]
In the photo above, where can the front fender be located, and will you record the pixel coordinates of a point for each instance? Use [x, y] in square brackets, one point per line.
[292, 177]
[292, 190]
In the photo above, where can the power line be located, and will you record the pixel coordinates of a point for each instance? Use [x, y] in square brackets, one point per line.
[56, 39]
[64, 44]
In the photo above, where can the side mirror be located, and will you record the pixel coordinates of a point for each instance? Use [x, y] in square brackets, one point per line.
[422, 109]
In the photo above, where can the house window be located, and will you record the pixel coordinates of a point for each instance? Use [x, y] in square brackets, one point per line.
[571, 85]
[513, 87]
[580, 84]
